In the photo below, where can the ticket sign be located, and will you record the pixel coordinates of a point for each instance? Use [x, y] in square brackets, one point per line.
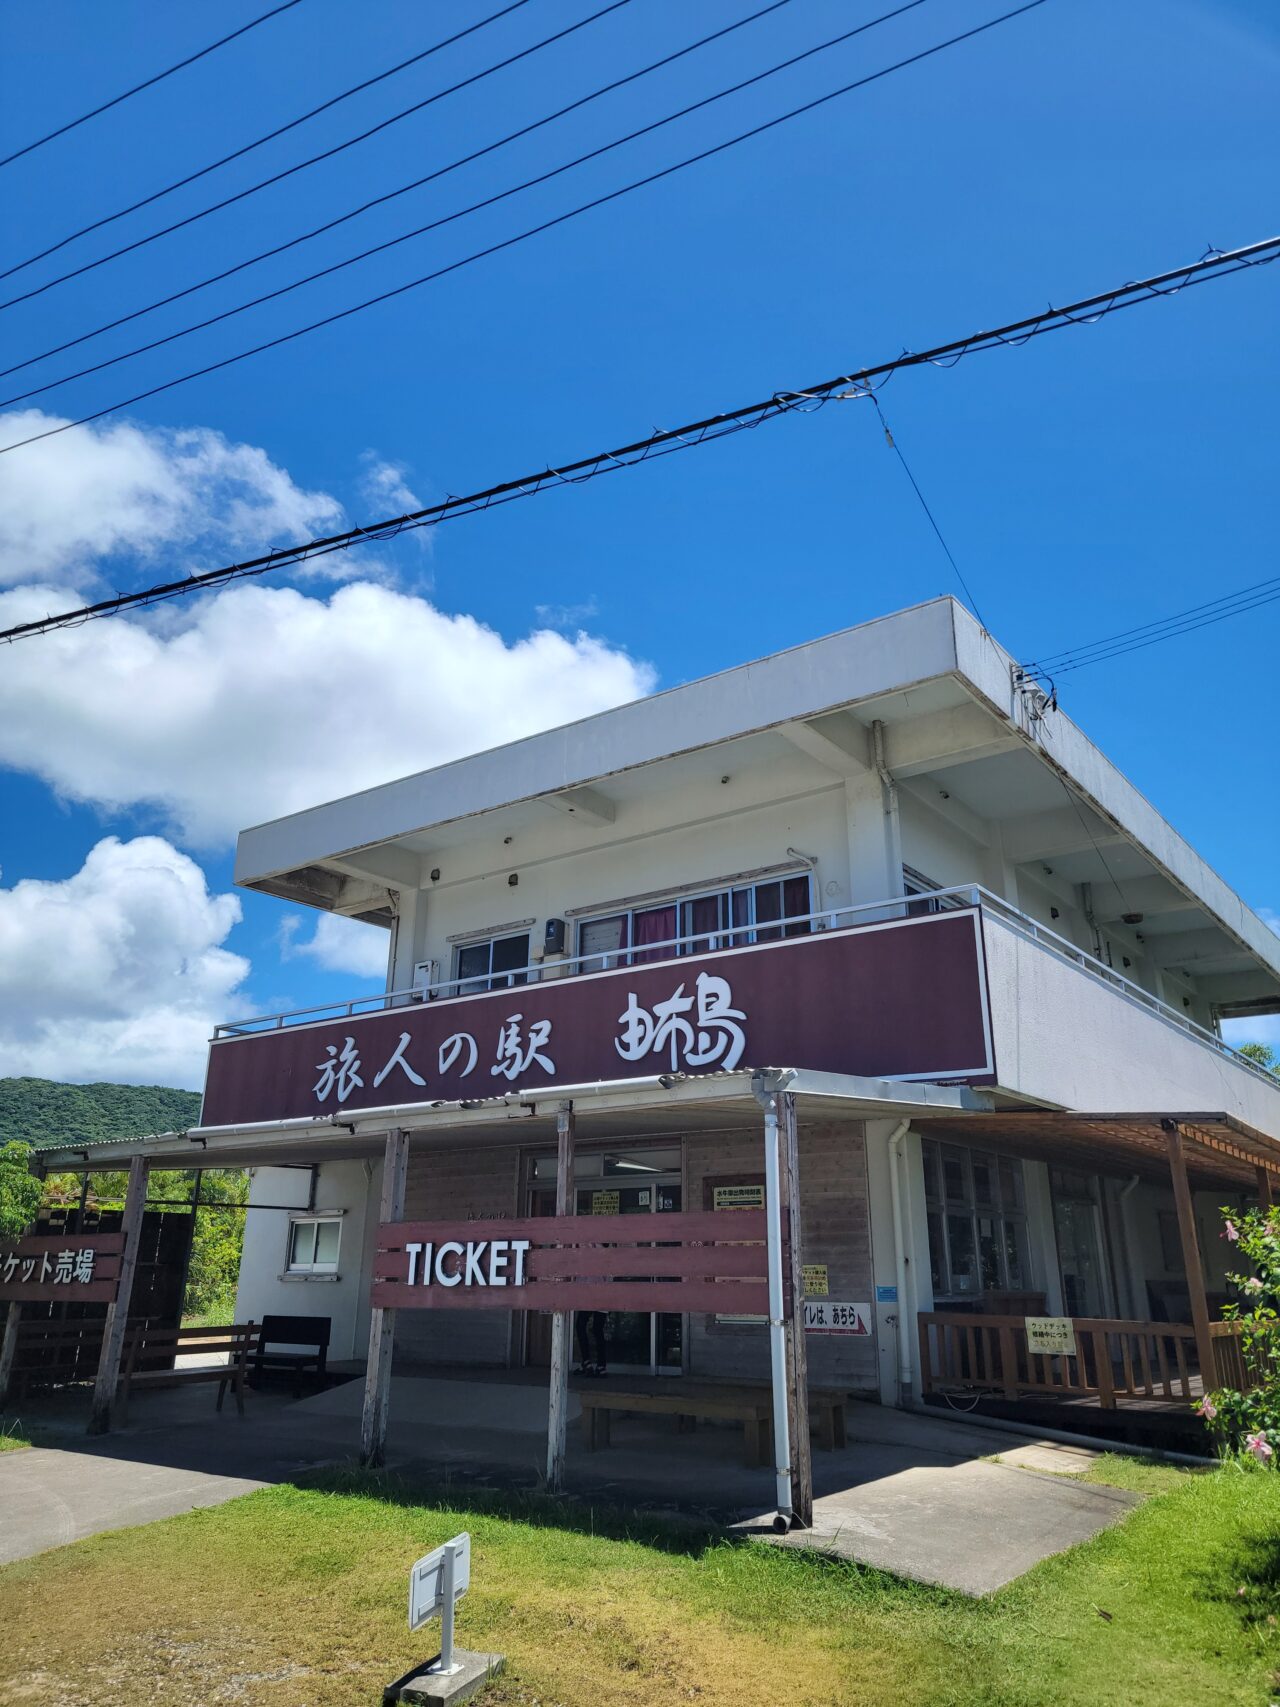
[1052, 1334]
[67, 1268]
[826, 1316]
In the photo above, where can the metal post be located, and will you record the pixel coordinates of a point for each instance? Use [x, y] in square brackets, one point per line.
[108, 1377]
[445, 1665]
[561, 1320]
[377, 1381]
[797, 1354]
[766, 1093]
[1191, 1254]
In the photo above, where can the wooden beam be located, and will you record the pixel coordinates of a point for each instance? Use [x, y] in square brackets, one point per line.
[1264, 1189]
[797, 1356]
[561, 1320]
[108, 1376]
[1191, 1253]
[8, 1348]
[382, 1322]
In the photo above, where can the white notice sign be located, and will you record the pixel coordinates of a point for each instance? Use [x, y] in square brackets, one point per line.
[1052, 1334]
[827, 1316]
[428, 1580]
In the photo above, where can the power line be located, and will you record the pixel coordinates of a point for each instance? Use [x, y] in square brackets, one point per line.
[325, 154]
[896, 448]
[1189, 621]
[485, 202]
[523, 236]
[665, 441]
[377, 201]
[148, 83]
[269, 136]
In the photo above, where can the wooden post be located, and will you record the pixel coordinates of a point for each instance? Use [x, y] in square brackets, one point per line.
[1264, 1189]
[1191, 1253]
[797, 1356]
[561, 1320]
[108, 1377]
[377, 1380]
[8, 1348]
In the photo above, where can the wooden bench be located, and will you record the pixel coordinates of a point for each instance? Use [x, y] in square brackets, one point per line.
[311, 1332]
[751, 1406]
[161, 1347]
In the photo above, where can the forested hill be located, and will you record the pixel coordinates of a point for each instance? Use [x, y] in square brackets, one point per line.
[43, 1112]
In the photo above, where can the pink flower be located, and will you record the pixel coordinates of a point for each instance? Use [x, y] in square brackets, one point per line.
[1253, 1284]
[1207, 1409]
[1230, 1232]
[1259, 1446]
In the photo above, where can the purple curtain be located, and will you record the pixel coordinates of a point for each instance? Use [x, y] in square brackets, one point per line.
[657, 924]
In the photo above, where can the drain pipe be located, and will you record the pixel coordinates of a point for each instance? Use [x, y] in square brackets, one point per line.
[905, 1371]
[766, 1087]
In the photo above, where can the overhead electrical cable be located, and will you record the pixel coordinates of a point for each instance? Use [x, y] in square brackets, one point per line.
[665, 441]
[473, 207]
[325, 154]
[269, 136]
[379, 201]
[523, 236]
[147, 83]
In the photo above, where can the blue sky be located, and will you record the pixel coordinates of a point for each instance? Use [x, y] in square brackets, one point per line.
[1085, 483]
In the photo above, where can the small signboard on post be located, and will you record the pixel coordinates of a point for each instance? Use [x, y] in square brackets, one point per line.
[1053, 1335]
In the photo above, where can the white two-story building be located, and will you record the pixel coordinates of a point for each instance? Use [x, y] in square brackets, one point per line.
[881, 862]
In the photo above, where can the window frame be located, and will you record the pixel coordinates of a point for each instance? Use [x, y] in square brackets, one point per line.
[737, 923]
[508, 978]
[313, 1269]
[943, 1206]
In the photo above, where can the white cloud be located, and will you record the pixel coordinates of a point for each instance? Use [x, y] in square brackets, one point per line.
[338, 945]
[261, 700]
[116, 972]
[72, 504]
[383, 484]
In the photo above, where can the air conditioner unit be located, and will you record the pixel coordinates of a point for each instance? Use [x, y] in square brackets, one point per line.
[424, 977]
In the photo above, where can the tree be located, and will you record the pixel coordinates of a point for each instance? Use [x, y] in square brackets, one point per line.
[20, 1190]
[1263, 1054]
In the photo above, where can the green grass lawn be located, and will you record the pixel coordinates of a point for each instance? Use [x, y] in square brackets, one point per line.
[295, 1597]
[10, 1440]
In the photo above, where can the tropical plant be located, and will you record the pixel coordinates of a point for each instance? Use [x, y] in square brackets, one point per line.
[20, 1190]
[1249, 1422]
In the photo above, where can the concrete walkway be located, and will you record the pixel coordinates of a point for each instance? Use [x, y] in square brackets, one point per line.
[912, 1495]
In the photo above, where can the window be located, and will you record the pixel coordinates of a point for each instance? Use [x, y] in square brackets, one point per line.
[313, 1246]
[977, 1222]
[496, 963]
[916, 883]
[725, 918]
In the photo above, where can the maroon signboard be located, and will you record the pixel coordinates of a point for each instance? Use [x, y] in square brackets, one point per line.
[710, 1261]
[905, 999]
[68, 1268]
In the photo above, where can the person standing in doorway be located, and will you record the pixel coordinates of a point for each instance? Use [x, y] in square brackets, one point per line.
[589, 1329]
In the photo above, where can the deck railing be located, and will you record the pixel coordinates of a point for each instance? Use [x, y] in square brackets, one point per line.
[1115, 1362]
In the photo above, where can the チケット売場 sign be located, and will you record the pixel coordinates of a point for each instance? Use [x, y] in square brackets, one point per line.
[68, 1268]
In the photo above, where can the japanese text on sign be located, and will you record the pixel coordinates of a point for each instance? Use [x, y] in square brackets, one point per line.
[825, 1316]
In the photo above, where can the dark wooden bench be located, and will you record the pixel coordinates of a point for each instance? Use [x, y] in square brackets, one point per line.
[152, 1360]
[309, 1332]
[690, 1403]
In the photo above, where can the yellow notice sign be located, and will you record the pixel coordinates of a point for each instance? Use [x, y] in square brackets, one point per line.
[605, 1203]
[815, 1280]
[737, 1197]
[1051, 1334]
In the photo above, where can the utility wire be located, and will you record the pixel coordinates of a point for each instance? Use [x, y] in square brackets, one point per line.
[896, 448]
[270, 136]
[377, 201]
[665, 441]
[484, 202]
[325, 154]
[523, 236]
[148, 83]
[1189, 621]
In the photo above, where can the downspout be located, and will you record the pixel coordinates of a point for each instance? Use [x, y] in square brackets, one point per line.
[906, 1372]
[766, 1088]
[889, 794]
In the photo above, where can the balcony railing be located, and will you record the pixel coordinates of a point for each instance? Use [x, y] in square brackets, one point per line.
[716, 942]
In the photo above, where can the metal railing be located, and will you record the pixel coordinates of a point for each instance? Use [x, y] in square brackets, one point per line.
[797, 926]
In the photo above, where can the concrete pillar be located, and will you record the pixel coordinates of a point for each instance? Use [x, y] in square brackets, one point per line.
[409, 939]
[875, 842]
[377, 1383]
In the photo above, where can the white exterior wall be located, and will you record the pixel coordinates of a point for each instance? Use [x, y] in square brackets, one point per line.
[1062, 1036]
[351, 1189]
